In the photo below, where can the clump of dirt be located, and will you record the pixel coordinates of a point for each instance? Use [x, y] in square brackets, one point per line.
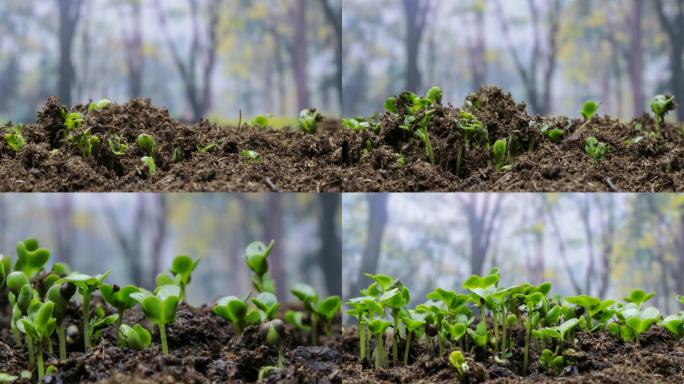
[203, 349]
[598, 358]
[335, 159]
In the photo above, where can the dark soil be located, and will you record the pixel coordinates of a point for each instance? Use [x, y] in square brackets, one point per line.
[203, 349]
[598, 358]
[335, 159]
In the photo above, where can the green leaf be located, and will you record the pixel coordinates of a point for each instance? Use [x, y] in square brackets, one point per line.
[151, 166]
[119, 298]
[305, 293]
[308, 119]
[256, 255]
[639, 297]
[296, 318]
[329, 306]
[136, 337]
[261, 121]
[434, 95]
[96, 106]
[391, 105]
[30, 258]
[147, 144]
[267, 302]
[383, 281]
[184, 265]
[7, 378]
[499, 152]
[589, 109]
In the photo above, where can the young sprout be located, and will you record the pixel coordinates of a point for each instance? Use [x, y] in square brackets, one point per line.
[589, 109]
[98, 105]
[391, 105]
[261, 121]
[151, 166]
[434, 95]
[637, 321]
[377, 327]
[14, 138]
[674, 324]
[552, 362]
[119, 298]
[479, 335]
[595, 149]
[273, 333]
[116, 146]
[499, 151]
[256, 257]
[182, 268]
[207, 148]
[661, 105]
[235, 310]
[308, 119]
[178, 155]
[72, 120]
[424, 136]
[267, 303]
[413, 321]
[135, 337]
[60, 294]
[39, 325]
[20, 296]
[532, 302]
[554, 134]
[639, 297]
[160, 308]
[324, 309]
[357, 124]
[250, 156]
[88, 142]
[457, 360]
[147, 144]
[296, 319]
[86, 285]
[30, 257]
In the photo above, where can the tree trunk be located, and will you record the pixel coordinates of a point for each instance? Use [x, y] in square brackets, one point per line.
[300, 58]
[273, 230]
[62, 217]
[415, 13]
[674, 28]
[159, 237]
[377, 219]
[334, 18]
[69, 15]
[134, 51]
[331, 246]
[481, 222]
[635, 60]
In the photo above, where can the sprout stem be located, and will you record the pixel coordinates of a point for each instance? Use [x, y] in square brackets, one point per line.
[162, 336]
[362, 341]
[528, 325]
[62, 342]
[29, 346]
[17, 335]
[119, 336]
[281, 357]
[459, 158]
[86, 321]
[41, 369]
[408, 345]
[379, 351]
[314, 329]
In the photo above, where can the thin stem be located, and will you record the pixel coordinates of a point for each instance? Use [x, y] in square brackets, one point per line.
[29, 346]
[527, 345]
[314, 329]
[459, 158]
[41, 369]
[86, 321]
[379, 351]
[362, 341]
[62, 342]
[162, 336]
[281, 357]
[395, 338]
[408, 345]
[119, 337]
[17, 334]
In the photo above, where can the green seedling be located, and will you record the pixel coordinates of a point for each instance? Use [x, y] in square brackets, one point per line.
[273, 333]
[7, 378]
[552, 362]
[207, 148]
[593, 312]
[98, 105]
[323, 310]
[100, 322]
[72, 120]
[391, 105]
[261, 121]
[589, 109]
[637, 321]
[135, 337]
[178, 155]
[30, 257]
[297, 320]
[20, 296]
[151, 166]
[479, 335]
[14, 138]
[147, 144]
[595, 149]
[256, 257]
[182, 268]
[236, 311]
[434, 95]
[532, 303]
[119, 298]
[661, 105]
[499, 152]
[359, 125]
[160, 308]
[250, 156]
[377, 328]
[38, 326]
[674, 324]
[458, 361]
[395, 298]
[267, 303]
[117, 147]
[86, 286]
[308, 119]
[424, 136]
[87, 142]
[554, 134]
[413, 322]
[639, 297]
[363, 308]
[59, 295]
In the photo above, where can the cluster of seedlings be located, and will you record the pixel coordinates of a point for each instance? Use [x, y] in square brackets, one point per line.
[487, 321]
[414, 114]
[39, 299]
[80, 137]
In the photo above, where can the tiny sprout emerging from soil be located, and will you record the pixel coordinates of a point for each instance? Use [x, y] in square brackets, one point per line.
[661, 105]
[147, 144]
[267, 303]
[378, 327]
[499, 152]
[261, 121]
[135, 337]
[256, 257]
[235, 310]
[552, 361]
[296, 319]
[60, 294]
[207, 148]
[637, 321]
[595, 149]
[320, 310]
[457, 360]
[273, 333]
[14, 138]
[116, 146]
[589, 109]
[151, 166]
[391, 105]
[119, 298]
[98, 105]
[160, 308]
[88, 142]
[250, 156]
[178, 155]
[359, 124]
[38, 326]
[30, 257]
[72, 120]
[86, 285]
[308, 119]
[434, 95]
[182, 268]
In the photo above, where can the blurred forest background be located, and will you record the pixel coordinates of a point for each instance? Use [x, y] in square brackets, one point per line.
[598, 244]
[197, 57]
[138, 235]
[552, 54]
